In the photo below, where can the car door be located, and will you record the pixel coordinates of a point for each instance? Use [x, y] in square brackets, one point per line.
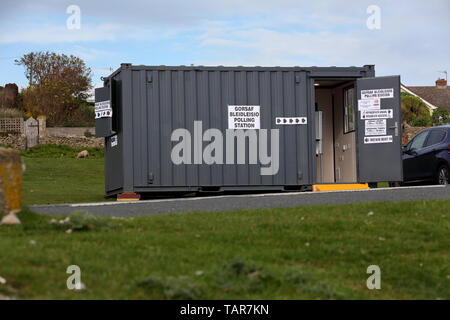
[428, 161]
[413, 164]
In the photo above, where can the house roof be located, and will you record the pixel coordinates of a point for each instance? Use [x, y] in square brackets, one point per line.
[438, 97]
[431, 106]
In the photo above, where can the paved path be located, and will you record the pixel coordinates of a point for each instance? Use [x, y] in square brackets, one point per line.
[248, 201]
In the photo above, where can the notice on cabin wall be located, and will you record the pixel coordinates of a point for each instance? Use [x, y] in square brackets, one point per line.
[377, 93]
[244, 117]
[103, 109]
[377, 114]
[114, 141]
[369, 104]
[375, 127]
[380, 139]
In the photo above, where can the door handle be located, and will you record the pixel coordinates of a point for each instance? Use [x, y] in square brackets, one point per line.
[395, 127]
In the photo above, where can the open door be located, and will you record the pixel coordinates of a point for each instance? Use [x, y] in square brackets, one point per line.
[378, 125]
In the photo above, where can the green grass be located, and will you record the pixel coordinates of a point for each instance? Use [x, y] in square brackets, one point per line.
[59, 151]
[296, 253]
[67, 180]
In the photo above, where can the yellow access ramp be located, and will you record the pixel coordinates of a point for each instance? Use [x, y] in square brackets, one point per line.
[339, 187]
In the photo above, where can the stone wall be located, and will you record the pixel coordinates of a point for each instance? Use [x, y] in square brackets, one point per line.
[18, 141]
[409, 132]
[69, 131]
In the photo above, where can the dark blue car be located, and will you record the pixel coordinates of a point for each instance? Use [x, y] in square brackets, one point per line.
[426, 158]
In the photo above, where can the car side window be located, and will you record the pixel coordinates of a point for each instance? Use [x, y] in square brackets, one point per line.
[435, 137]
[418, 141]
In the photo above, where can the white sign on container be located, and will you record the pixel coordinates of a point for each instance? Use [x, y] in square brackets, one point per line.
[377, 114]
[377, 93]
[103, 109]
[244, 117]
[375, 127]
[379, 139]
[114, 141]
[368, 104]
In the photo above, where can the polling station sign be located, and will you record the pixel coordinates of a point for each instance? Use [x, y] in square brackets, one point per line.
[377, 93]
[244, 117]
[103, 109]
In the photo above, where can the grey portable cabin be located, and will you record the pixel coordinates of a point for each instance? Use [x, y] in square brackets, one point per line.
[199, 128]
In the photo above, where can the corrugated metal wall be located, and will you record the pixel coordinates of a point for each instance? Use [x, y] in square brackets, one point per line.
[164, 100]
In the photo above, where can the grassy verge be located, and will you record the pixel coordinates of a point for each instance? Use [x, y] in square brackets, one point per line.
[296, 253]
[61, 151]
[51, 180]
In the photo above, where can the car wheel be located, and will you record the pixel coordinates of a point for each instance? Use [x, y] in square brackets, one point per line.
[442, 175]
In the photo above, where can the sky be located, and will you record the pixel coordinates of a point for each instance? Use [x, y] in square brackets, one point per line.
[411, 38]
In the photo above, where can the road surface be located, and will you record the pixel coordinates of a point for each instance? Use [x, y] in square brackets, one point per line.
[247, 201]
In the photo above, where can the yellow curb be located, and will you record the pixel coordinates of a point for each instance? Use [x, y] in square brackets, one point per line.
[337, 187]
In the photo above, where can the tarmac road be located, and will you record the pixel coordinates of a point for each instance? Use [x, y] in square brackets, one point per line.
[247, 201]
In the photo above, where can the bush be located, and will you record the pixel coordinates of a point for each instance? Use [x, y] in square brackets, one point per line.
[420, 122]
[414, 111]
[60, 108]
[441, 116]
[83, 116]
[11, 113]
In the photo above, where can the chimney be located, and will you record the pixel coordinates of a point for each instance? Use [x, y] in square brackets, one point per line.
[441, 84]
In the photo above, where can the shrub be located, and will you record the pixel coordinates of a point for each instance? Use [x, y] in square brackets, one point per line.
[11, 113]
[82, 116]
[441, 116]
[421, 122]
[413, 108]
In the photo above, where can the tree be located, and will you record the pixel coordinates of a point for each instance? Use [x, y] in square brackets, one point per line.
[57, 85]
[441, 116]
[414, 111]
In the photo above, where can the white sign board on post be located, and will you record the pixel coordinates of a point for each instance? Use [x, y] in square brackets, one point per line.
[244, 117]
